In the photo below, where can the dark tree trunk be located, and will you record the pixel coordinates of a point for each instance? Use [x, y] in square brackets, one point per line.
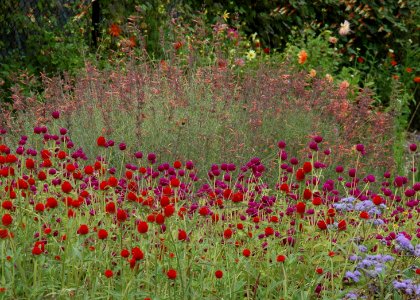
[95, 22]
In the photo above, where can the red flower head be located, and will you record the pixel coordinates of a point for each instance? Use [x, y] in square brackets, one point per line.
[218, 274]
[121, 215]
[142, 227]
[137, 253]
[108, 273]
[171, 274]
[101, 141]
[281, 258]
[102, 234]
[114, 30]
[227, 234]
[322, 225]
[6, 220]
[364, 215]
[342, 225]
[300, 175]
[307, 167]
[169, 210]
[300, 208]
[182, 235]
[125, 253]
[317, 201]
[66, 187]
[110, 208]
[83, 229]
[175, 182]
[268, 231]
[246, 252]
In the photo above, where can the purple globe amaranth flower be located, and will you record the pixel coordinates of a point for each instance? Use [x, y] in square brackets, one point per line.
[63, 131]
[281, 144]
[151, 157]
[55, 114]
[352, 172]
[313, 146]
[361, 148]
[399, 181]
[339, 169]
[413, 147]
[318, 139]
[122, 146]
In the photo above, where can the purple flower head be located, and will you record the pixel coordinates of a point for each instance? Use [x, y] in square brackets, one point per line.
[55, 114]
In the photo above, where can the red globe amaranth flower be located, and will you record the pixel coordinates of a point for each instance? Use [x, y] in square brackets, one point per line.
[317, 201]
[102, 234]
[8, 205]
[342, 225]
[66, 187]
[319, 271]
[169, 210]
[137, 253]
[300, 175]
[300, 208]
[110, 208]
[331, 212]
[246, 252]
[227, 234]
[175, 182]
[142, 227]
[364, 215]
[125, 253]
[160, 219]
[108, 273]
[377, 200]
[281, 258]
[268, 231]
[182, 235]
[83, 229]
[6, 220]
[177, 164]
[121, 215]
[218, 274]
[307, 194]
[307, 167]
[322, 225]
[101, 141]
[171, 274]
[39, 207]
[36, 251]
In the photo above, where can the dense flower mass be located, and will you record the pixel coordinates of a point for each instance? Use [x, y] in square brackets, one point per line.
[149, 221]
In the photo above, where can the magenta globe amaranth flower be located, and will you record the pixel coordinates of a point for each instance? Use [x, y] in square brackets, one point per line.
[413, 147]
[122, 146]
[55, 114]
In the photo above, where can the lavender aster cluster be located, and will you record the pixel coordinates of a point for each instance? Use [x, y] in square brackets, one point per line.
[407, 287]
[370, 207]
[404, 243]
[345, 204]
[371, 265]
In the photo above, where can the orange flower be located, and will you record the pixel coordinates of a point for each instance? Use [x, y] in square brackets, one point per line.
[416, 79]
[408, 70]
[132, 42]
[302, 56]
[114, 30]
